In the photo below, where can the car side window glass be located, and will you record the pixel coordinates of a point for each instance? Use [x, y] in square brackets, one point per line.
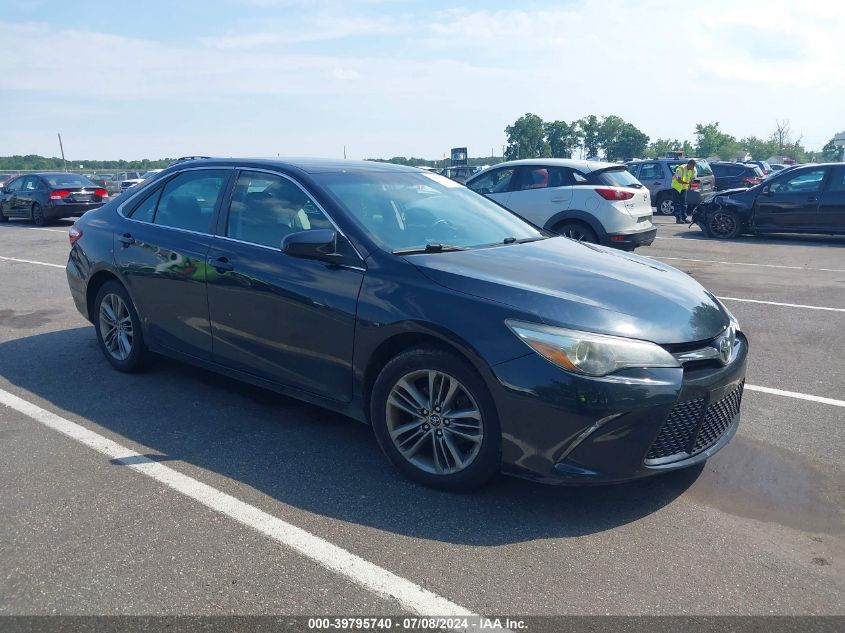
[145, 211]
[15, 185]
[495, 181]
[807, 182]
[188, 200]
[265, 208]
[534, 178]
[31, 184]
[837, 183]
[651, 171]
[633, 168]
[578, 178]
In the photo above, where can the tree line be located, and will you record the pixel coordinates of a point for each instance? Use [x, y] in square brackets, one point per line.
[33, 162]
[614, 139]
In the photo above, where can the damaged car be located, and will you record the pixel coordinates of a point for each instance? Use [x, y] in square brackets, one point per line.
[806, 199]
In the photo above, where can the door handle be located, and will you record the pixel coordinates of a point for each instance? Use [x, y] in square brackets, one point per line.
[126, 239]
[220, 264]
[812, 199]
[559, 199]
[657, 184]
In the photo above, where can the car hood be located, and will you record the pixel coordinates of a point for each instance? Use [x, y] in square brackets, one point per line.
[566, 283]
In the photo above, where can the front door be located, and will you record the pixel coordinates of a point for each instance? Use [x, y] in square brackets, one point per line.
[495, 184]
[278, 317]
[790, 202]
[161, 250]
[541, 192]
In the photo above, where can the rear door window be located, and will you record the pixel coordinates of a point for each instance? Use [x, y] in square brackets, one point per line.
[806, 182]
[188, 200]
[837, 183]
[651, 171]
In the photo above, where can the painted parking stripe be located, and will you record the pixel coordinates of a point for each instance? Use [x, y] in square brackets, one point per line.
[787, 305]
[29, 261]
[798, 395]
[713, 261]
[362, 572]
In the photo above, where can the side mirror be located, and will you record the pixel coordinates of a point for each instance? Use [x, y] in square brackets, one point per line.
[316, 244]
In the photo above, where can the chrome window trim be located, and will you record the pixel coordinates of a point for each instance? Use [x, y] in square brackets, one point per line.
[307, 195]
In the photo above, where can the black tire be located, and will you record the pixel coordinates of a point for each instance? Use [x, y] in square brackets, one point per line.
[723, 224]
[577, 231]
[486, 459]
[138, 357]
[665, 204]
[37, 215]
[3, 217]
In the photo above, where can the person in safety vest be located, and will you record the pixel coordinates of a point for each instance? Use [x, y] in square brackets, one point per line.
[684, 175]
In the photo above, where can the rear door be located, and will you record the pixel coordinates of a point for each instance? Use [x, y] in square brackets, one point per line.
[495, 184]
[282, 318]
[32, 189]
[831, 214]
[541, 191]
[160, 250]
[791, 202]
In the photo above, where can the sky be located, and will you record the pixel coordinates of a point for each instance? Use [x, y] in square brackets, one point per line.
[404, 77]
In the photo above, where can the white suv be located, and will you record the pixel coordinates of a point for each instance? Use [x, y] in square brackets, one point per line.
[585, 200]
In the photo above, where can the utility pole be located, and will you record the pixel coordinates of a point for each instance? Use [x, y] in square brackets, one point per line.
[344, 152]
[61, 147]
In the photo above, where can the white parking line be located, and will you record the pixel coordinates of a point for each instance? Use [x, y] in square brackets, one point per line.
[362, 572]
[29, 261]
[786, 305]
[713, 261]
[36, 228]
[795, 394]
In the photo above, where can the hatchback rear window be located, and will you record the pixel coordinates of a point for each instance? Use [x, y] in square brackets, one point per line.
[617, 178]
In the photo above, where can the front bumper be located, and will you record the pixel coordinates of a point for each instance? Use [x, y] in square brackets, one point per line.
[561, 428]
[630, 241]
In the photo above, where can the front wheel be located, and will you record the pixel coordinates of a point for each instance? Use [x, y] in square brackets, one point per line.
[435, 420]
[119, 329]
[723, 224]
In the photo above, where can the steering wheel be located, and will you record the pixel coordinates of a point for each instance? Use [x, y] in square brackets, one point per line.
[444, 228]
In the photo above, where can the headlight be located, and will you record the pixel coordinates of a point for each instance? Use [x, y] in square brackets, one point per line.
[587, 353]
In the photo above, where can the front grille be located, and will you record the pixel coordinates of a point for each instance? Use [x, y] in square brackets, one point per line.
[690, 429]
[676, 435]
[718, 419]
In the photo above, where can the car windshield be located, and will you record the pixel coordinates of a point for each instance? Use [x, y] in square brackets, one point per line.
[415, 210]
[618, 178]
[68, 180]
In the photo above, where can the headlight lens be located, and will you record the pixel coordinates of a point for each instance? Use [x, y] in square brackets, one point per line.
[587, 353]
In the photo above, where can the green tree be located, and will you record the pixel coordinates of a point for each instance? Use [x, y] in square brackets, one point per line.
[620, 139]
[829, 154]
[758, 148]
[527, 138]
[710, 141]
[589, 128]
[562, 137]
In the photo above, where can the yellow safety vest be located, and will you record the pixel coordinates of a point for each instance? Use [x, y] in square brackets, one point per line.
[685, 177]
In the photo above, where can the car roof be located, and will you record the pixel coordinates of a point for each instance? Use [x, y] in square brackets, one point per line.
[664, 159]
[581, 165]
[307, 165]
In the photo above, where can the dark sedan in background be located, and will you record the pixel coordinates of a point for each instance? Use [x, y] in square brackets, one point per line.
[806, 199]
[48, 196]
[470, 340]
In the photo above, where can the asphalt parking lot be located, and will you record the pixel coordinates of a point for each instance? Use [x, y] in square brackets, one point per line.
[760, 529]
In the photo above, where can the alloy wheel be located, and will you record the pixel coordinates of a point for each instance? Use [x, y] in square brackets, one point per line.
[667, 207]
[722, 224]
[434, 422]
[116, 326]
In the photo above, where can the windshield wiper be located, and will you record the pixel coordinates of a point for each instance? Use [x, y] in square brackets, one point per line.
[428, 248]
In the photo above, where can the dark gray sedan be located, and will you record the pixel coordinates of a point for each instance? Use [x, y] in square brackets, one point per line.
[48, 196]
